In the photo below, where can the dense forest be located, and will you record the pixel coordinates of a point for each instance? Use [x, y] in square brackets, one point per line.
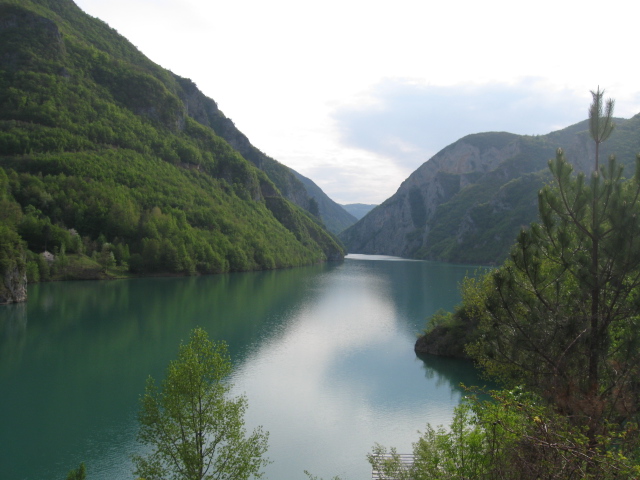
[106, 160]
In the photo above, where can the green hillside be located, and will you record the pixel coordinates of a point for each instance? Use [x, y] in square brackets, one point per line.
[104, 153]
[335, 217]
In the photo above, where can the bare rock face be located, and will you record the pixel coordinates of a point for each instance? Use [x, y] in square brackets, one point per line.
[23, 31]
[441, 342]
[13, 288]
[469, 201]
[401, 225]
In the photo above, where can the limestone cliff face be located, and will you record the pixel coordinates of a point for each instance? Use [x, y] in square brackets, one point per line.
[334, 216]
[16, 27]
[13, 288]
[402, 224]
[468, 203]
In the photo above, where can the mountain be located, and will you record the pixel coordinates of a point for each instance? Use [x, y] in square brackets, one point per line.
[106, 155]
[293, 186]
[468, 202]
[335, 217]
[358, 210]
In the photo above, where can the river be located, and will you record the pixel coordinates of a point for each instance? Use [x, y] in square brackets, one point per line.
[324, 355]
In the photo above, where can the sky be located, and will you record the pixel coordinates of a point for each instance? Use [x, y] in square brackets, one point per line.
[357, 94]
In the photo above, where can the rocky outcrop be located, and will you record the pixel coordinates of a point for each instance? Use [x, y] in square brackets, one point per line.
[402, 224]
[334, 216]
[442, 342]
[21, 32]
[468, 202]
[13, 288]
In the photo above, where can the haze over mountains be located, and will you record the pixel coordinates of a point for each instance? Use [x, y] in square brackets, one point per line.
[358, 210]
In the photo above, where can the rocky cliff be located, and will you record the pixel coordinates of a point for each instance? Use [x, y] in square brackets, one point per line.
[468, 202]
[14, 285]
[13, 271]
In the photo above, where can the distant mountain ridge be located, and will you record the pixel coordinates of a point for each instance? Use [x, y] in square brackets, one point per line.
[468, 202]
[358, 210]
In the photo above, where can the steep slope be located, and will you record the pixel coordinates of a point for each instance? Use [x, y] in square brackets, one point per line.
[467, 203]
[106, 153]
[334, 216]
[295, 187]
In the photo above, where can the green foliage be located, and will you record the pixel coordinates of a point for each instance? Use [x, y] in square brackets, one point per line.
[562, 313]
[79, 473]
[477, 224]
[487, 140]
[448, 333]
[560, 317]
[417, 207]
[194, 429]
[511, 436]
[12, 263]
[313, 477]
[600, 120]
[106, 258]
[96, 138]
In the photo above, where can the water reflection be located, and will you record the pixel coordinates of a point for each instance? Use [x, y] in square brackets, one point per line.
[13, 329]
[324, 354]
[343, 375]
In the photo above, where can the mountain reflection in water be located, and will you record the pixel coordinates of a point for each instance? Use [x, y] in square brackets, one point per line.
[323, 353]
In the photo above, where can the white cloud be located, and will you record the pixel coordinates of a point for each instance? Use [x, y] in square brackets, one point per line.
[337, 87]
[409, 122]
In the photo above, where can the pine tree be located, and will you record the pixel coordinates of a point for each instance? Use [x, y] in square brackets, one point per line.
[195, 431]
[561, 315]
[600, 121]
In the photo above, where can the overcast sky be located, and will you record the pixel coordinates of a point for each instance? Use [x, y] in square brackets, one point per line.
[357, 94]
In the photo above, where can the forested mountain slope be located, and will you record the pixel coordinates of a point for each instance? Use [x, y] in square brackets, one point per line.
[293, 186]
[335, 216]
[106, 153]
[468, 202]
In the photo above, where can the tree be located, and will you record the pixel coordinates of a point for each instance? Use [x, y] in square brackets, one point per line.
[600, 122]
[558, 323]
[105, 258]
[314, 208]
[194, 429]
[561, 315]
[79, 473]
[512, 436]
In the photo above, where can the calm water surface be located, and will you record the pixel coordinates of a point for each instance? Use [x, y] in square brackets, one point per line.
[324, 355]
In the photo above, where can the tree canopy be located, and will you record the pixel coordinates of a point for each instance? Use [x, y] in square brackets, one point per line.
[194, 429]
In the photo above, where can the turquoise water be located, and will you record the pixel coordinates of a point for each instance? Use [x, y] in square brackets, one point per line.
[324, 355]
